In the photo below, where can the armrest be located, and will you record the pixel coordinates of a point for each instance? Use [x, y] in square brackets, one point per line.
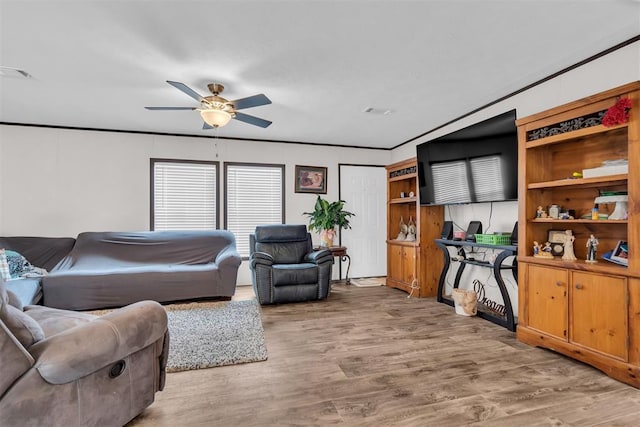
[84, 349]
[318, 257]
[260, 258]
[228, 258]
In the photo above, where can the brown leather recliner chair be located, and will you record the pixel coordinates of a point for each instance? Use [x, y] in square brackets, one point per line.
[64, 368]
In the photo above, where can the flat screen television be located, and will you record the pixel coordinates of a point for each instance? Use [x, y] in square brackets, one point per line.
[472, 165]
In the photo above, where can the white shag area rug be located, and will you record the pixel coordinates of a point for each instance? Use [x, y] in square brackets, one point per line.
[204, 335]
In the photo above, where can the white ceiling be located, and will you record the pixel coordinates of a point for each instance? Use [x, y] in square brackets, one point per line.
[96, 64]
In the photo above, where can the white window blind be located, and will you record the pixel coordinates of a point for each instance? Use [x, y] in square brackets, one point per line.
[184, 195]
[487, 178]
[450, 182]
[254, 196]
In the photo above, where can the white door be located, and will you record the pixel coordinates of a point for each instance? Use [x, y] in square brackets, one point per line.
[364, 188]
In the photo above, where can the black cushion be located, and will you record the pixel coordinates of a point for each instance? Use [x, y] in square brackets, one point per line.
[281, 233]
[287, 244]
[288, 274]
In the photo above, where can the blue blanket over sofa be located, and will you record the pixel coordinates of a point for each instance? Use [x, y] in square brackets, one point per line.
[113, 269]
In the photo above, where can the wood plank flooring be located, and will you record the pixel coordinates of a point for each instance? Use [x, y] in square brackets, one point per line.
[373, 357]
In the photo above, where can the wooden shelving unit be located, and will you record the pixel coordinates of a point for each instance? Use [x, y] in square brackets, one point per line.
[415, 266]
[588, 311]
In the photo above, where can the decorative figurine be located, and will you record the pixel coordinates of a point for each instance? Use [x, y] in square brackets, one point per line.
[592, 248]
[544, 252]
[411, 231]
[402, 235]
[540, 213]
[569, 255]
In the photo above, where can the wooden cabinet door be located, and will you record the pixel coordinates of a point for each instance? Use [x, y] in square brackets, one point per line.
[408, 264]
[546, 289]
[395, 262]
[598, 311]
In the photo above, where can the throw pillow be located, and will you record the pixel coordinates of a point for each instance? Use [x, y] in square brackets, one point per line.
[5, 272]
[18, 265]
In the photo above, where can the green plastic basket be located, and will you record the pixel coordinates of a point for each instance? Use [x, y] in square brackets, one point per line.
[493, 239]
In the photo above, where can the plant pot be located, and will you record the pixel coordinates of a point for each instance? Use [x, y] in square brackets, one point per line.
[326, 238]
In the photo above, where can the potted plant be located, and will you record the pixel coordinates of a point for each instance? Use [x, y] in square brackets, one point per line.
[325, 217]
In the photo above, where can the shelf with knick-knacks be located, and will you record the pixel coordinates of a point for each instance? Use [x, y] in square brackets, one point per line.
[408, 200]
[582, 250]
[589, 211]
[579, 275]
[407, 232]
[413, 260]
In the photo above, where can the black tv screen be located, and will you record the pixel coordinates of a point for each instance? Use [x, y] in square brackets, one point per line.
[476, 164]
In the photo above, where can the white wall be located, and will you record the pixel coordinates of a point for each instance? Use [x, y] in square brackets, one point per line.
[57, 182]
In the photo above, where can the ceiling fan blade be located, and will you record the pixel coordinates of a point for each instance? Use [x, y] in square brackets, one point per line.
[252, 120]
[186, 89]
[170, 108]
[206, 126]
[251, 101]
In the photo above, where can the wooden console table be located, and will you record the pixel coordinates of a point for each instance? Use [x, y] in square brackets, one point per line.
[509, 321]
[341, 253]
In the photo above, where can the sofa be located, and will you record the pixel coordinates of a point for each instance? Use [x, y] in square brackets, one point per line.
[64, 368]
[113, 269]
[43, 252]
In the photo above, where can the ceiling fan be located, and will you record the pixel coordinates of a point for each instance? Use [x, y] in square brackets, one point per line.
[216, 111]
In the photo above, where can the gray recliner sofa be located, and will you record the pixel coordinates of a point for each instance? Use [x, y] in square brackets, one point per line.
[63, 368]
[284, 266]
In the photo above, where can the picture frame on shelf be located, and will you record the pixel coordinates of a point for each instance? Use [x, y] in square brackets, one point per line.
[621, 253]
[311, 179]
[557, 238]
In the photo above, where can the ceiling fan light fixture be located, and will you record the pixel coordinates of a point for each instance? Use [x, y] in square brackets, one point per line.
[216, 111]
[215, 118]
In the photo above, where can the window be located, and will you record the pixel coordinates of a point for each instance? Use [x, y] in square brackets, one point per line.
[254, 195]
[450, 182]
[487, 178]
[184, 195]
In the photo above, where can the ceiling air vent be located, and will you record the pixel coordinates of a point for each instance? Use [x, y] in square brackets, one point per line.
[374, 110]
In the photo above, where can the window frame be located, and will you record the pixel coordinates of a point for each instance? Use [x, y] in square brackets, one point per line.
[154, 160]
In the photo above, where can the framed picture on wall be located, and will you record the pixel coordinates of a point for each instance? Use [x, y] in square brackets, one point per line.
[311, 179]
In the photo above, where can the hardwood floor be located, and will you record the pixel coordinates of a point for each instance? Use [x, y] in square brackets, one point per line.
[373, 357]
